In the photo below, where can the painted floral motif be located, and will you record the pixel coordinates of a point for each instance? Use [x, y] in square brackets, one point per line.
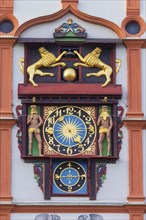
[38, 174]
[70, 26]
[120, 125]
[19, 124]
[101, 175]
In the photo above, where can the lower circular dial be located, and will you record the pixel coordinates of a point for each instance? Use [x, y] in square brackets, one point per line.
[69, 176]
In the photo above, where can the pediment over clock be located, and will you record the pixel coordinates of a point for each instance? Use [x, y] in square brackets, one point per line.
[103, 29]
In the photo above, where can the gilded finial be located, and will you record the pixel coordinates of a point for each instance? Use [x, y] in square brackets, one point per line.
[33, 99]
[105, 99]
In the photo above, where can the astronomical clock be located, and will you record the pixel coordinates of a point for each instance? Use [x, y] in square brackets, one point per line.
[70, 131]
[69, 120]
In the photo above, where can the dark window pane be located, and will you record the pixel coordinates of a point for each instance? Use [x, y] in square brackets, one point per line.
[132, 27]
[6, 26]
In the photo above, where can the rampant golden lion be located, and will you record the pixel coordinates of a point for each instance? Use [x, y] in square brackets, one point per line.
[92, 60]
[48, 59]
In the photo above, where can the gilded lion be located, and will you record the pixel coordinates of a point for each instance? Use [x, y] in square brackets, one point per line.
[92, 60]
[47, 59]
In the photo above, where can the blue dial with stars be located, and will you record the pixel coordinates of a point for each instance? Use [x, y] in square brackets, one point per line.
[70, 177]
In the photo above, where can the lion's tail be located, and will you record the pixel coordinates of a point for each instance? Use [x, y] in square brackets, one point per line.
[21, 60]
[118, 61]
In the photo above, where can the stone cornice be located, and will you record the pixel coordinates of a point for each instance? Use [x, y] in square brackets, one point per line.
[78, 208]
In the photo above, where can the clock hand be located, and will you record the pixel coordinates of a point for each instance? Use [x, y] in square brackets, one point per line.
[69, 176]
[77, 139]
[61, 118]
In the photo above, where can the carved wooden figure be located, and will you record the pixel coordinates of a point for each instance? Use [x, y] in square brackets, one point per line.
[34, 121]
[105, 124]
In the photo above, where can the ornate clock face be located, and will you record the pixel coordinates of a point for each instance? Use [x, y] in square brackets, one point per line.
[70, 130]
[70, 177]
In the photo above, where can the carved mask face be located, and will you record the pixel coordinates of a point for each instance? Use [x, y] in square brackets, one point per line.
[104, 112]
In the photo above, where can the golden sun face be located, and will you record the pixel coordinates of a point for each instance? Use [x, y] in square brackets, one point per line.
[69, 130]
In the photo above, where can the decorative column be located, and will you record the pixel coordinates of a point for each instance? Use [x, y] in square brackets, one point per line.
[5, 158]
[6, 77]
[135, 160]
[136, 212]
[6, 117]
[5, 211]
[6, 6]
[133, 7]
[134, 78]
[134, 121]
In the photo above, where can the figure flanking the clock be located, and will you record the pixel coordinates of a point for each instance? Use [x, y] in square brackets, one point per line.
[34, 121]
[105, 124]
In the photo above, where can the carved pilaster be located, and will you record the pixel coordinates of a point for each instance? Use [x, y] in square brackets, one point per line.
[5, 158]
[136, 212]
[6, 77]
[134, 78]
[135, 159]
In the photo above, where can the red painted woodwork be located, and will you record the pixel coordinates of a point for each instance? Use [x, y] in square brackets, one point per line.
[68, 89]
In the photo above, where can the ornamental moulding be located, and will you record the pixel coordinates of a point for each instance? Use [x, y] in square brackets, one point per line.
[77, 13]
